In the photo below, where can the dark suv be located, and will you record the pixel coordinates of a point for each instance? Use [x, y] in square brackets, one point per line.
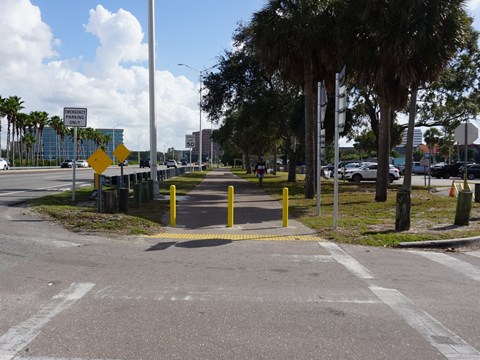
[447, 170]
[145, 163]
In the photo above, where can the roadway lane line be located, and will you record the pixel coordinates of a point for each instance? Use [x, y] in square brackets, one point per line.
[474, 253]
[348, 261]
[42, 188]
[52, 358]
[461, 266]
[19, 336]
[448, 343]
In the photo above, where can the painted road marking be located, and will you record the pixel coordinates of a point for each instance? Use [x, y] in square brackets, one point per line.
[299, 258]
[52, 358]
[463, 267]
[56, 187]
[448, 343]
[346, 260]
[17, 337]
[474, 253]
[184, 236]
[202, 294]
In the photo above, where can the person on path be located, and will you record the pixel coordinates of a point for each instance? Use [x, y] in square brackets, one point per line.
[260, 169]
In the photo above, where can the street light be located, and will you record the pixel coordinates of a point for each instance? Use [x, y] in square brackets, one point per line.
[200, 75]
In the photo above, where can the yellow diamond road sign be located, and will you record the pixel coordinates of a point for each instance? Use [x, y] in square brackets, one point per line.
[99, 161]
[121, 152]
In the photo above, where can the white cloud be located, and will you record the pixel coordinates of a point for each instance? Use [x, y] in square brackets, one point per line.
[120, 37]
[473, 5]
[114, 87]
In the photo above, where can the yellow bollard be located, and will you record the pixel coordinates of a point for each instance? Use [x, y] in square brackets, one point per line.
[285, 208]
[230, 207]
[173, 206]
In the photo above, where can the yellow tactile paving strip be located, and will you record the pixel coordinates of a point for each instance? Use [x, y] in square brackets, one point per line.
[187, 236]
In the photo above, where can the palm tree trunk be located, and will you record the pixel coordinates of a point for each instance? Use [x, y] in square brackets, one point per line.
[383, 152]
[309, 134]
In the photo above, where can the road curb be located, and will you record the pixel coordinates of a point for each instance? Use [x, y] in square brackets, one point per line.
[440, 243]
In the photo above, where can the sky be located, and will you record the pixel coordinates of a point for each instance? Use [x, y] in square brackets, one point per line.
[94, 54]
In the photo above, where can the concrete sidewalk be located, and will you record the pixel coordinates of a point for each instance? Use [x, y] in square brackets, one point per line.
[256, 214]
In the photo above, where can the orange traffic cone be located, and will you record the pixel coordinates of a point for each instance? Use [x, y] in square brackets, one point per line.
[452, 190]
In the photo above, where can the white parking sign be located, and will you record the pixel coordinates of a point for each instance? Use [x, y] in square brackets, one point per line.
[75, 117]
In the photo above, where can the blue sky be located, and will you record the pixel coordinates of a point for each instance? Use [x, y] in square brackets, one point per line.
[93, 53]
[187, 31]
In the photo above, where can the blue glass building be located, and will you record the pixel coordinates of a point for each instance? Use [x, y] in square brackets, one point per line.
[56, 149]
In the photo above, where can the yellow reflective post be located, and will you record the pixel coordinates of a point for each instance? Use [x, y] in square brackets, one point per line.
[173, 206]
[285, 208]
[230, 206]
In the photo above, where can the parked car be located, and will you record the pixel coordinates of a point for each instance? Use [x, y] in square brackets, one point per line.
[145, 163]
[171, 163]
[68, 163]
[125, 163]
[184, 163]
[369, 172]
[82, 163]
[473, 171]
[447, 170]
[417, 168]
[4, 164]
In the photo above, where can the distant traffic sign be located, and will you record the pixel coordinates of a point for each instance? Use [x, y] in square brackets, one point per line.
[189, 141]
[75, 117]
[472, 134]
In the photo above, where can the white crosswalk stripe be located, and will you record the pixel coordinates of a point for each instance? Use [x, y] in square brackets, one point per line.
[454, 263]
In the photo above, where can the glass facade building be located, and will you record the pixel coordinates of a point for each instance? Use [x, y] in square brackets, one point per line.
[56, 149]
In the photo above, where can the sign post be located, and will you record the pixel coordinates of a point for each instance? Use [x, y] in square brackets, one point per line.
[190, 143]
[340, 109]
[74, 117]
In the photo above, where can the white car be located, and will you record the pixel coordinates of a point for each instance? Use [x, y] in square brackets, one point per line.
[82, 163]
[369, 172]
[4, 164]
[171, 163]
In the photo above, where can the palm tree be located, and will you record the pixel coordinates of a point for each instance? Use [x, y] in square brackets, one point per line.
[295, 37]
[29, 140]
[432, 138]
[12, 106]
[40, 118]
[2, 115]
[395, 47]
[57, 124]
[23, 122]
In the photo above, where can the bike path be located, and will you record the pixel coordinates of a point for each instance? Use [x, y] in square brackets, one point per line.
[204, 211]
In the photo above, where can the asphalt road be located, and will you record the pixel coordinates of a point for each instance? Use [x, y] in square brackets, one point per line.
[79, 296]
[72, 296]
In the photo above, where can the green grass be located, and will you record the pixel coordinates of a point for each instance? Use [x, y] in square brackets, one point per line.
[82, 215]
[364, 221]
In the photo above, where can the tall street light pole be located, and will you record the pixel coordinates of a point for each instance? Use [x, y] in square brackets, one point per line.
[151, 91]
[200, 76]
